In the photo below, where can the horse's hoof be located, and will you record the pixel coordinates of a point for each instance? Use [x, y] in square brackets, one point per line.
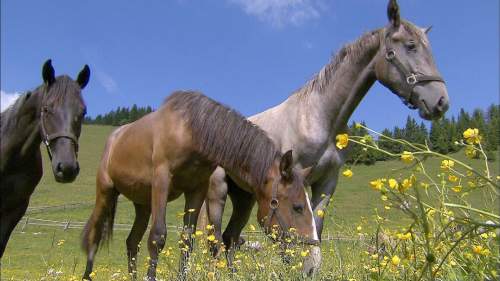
[312, 263]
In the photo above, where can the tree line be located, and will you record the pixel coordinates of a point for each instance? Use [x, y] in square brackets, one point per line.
[443, 137]
[120, 116]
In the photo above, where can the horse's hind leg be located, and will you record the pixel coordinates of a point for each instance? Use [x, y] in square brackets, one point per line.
[104, 211]
[9, 222]
[192, 207]
[239, 218]
[141, 220]
[159, 194]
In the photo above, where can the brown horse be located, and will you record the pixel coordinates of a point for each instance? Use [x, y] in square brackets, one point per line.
[52, 114]
[174, 151]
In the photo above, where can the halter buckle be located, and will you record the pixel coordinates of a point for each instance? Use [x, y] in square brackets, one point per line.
[412, 79]
[274, 204]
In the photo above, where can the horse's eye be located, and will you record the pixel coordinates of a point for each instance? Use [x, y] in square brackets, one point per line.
[411, 46]
[298, 208]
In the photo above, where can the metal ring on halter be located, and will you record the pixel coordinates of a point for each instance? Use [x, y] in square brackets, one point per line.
[391, 54]
[274, 204]
[412, 79]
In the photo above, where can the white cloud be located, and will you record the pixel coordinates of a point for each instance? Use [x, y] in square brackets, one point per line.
[282, 12]
[106, 81]
[7, 99]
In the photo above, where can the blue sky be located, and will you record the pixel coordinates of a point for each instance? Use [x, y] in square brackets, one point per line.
[249, 54]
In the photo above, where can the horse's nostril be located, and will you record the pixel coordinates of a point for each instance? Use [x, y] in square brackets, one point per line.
[77, 168]
[59, 167]
[441, 102]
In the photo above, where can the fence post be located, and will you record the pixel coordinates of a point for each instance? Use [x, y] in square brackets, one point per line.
[67, 225]
[25, 223]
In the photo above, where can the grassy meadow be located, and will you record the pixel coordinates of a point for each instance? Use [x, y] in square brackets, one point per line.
[41, 252]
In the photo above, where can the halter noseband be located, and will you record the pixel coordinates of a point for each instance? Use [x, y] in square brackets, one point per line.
[273, 206]
[411, 78]
[48, 138]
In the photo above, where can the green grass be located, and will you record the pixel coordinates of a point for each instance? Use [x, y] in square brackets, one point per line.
[31, 253]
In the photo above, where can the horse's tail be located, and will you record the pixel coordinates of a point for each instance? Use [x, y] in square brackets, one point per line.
[100, 224]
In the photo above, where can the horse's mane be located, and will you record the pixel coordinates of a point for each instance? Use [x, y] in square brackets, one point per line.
[350, 54]
[225, 136]
[8, 116]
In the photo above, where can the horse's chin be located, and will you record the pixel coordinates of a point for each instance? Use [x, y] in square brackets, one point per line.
[63, 179]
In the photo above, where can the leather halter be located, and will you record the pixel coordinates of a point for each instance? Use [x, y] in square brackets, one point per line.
[411, 78]
[47, 138]
[273, 206]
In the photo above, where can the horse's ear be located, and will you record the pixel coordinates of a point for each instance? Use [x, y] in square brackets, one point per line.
[393, 13]
[286, 165]
[48, 73]
[306, 171]
[83, 77]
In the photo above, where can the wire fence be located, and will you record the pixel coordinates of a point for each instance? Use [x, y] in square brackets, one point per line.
[27, 220]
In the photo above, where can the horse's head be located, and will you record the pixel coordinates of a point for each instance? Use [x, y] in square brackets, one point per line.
[61, 116]
[405, 65]
[284, 205]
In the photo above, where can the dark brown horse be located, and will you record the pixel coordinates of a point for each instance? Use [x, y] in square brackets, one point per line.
[52, 114]
[173, 151]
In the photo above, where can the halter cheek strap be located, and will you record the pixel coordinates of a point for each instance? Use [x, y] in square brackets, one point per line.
[273, 206]
[411, 78]
[48, 138]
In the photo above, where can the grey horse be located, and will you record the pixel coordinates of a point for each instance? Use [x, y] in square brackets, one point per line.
[397, 55]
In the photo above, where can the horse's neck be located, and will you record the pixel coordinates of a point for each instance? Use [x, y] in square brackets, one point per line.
[328, 107]
[20, 134]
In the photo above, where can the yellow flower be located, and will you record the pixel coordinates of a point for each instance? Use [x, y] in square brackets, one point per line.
[407, 157]
[198, 233]
[60, 242]
[320, 213]
[393, 184]
[472, 136]
[447, 164]
[407, 183]
[252, 227]
[457, 188]
[358, 125]
[221, 263]
[211, 275]
[347, 173]
[383, 198]
[209, 227]
[304, 253]
[405, 236]
[377, 184]
[359, 228]
[342, 141]
[211, 238]
[395, 260]
[452, 178]
[92, 274]
[479, 250]
[470, 151]
[191, 210]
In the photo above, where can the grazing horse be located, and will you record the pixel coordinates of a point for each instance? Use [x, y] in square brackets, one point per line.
[173, 151]
[398, 56]
[52, 114]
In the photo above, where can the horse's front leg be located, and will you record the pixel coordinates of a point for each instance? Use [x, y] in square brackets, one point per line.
[9, 219]
[322, 191]
[159, 194]
[192, 207]
[216, 200]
